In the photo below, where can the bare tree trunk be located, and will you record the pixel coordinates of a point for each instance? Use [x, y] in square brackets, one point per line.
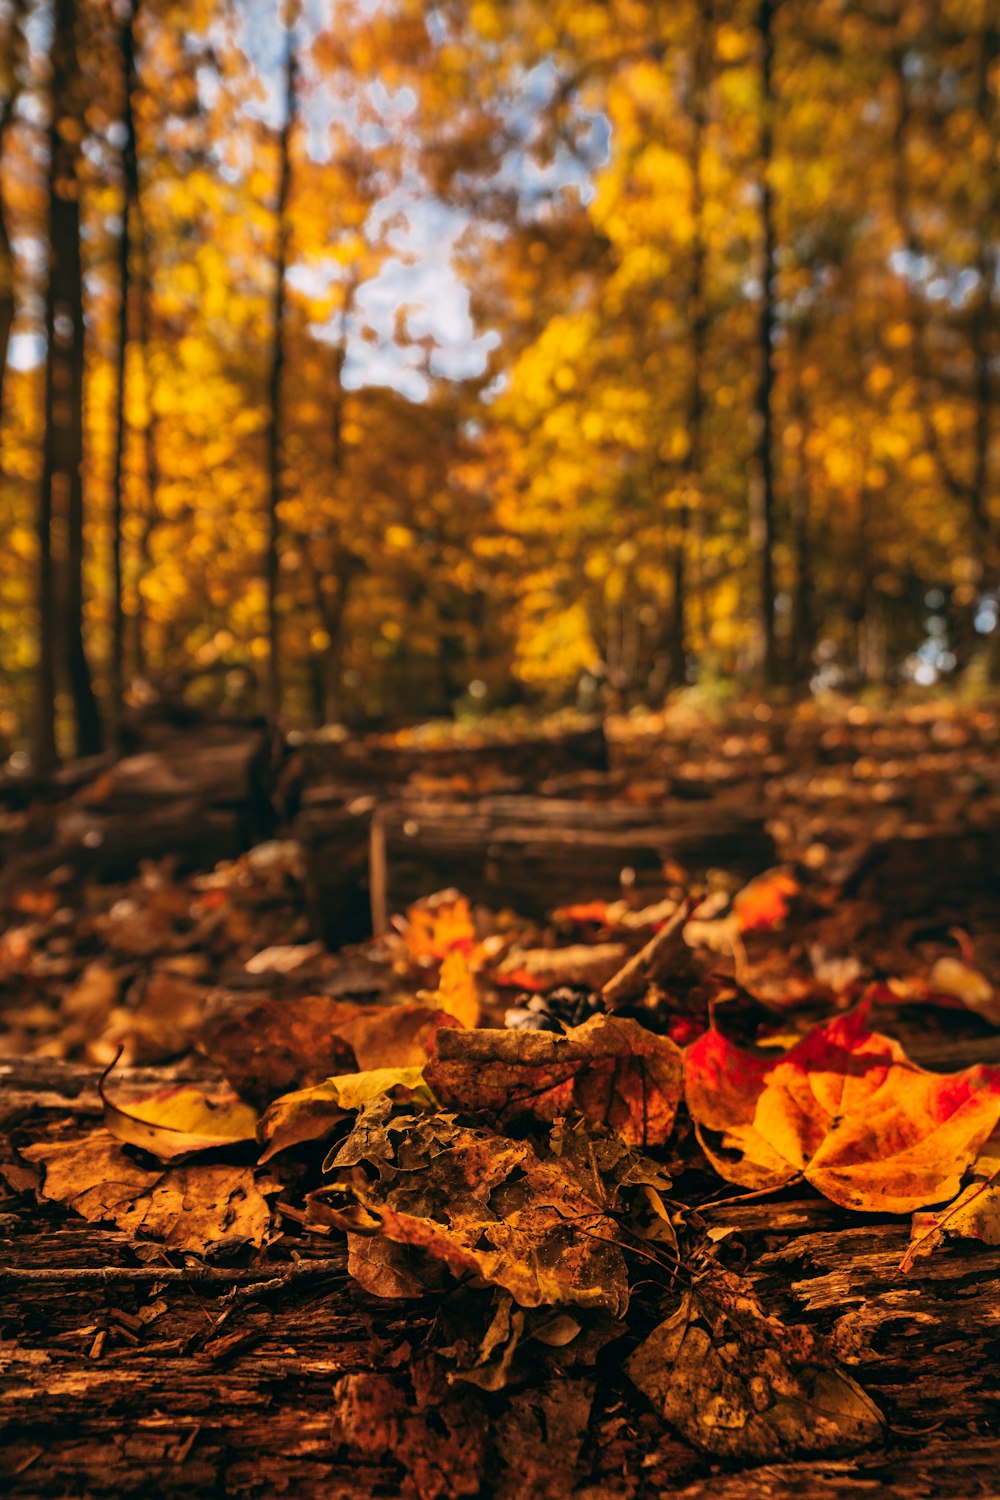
[691, 478]
[144, 299]
[8, 298]
[762, 476]
[803, 608]
[62, 474]
[274, 431]
[116, 684]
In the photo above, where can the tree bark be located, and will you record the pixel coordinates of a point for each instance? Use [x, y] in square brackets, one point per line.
[61, 498]
[803, 608]
[116, 685]
[8, 290]
[762, 475]
[276, 380]
[692, 489]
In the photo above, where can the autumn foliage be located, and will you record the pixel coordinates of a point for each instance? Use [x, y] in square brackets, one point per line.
[451, 357]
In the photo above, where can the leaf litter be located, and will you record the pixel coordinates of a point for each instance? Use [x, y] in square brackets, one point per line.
[527, 1173]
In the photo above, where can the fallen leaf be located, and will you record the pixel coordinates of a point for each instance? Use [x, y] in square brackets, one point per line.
[179, 1122]
[160, 1026]
[384, 1269]
[541, 1437]
[457, 992]
[614, 1071]
[846, 1109]
[737, 1384]
[283, 958]
[309, 1114]
[486, 1206]
[187, 1208]
[442, 1449]
[438, 925]
[584, 912]
[617, 915]
[764, 903]
[955, 985]
[491, 1365]
[281, 1046]
[974, 1215]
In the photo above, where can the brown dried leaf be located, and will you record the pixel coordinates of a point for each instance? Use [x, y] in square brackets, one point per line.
[176, 1123]
[737, 1384]
[310, 1114]
[186, 1208]
[161, 1026]
[281, 1046]
[614, 1071]
[588, 965]
[974, 1215]
[487, 1206]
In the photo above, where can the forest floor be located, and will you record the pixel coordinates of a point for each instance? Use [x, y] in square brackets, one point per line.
[677, 1179]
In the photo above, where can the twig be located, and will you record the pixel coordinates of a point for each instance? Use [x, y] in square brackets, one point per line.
[633, 977]
[218, 1275]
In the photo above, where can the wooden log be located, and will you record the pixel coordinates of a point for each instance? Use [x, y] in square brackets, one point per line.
[204, 795]
[336, 843]
[125, 1377]
[529, 853]
[536, 853]
[368, 764]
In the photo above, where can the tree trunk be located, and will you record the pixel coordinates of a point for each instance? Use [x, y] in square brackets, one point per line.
[61, 498]
[762, 474]
[803, 611]
[274, 431]
[8, 299]
[116, 684]
[144, 297]
[8, 304]
[692, 489]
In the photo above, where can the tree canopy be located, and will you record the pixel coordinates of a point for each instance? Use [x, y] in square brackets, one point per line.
[416, 355]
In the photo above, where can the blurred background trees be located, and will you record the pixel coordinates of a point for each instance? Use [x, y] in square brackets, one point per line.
[379, 359]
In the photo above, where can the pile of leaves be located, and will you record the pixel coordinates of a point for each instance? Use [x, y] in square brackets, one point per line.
[524, 1124]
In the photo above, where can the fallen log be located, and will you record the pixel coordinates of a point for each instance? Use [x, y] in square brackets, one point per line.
[125, 1377]
[365, 860]
[204, 795]
[369, 764]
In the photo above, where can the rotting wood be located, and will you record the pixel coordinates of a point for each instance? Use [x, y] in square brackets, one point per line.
[124, 1378]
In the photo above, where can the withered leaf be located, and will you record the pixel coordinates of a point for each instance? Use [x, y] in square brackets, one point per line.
[614, 1071]
[764, 903]
[488, 1207]
[438, 925]
[385, 1269]
[443, 1457]
[309, 1114]
[161, 1026]
[457, 992]
[974, 1215]
[280, 1046]
[188, 1208]
[846, 1109]
[737, 1384]
[176, 1123]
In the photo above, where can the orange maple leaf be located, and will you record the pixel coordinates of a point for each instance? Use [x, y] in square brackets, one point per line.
[844, 1108]
[439, 926]
[764, 902]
